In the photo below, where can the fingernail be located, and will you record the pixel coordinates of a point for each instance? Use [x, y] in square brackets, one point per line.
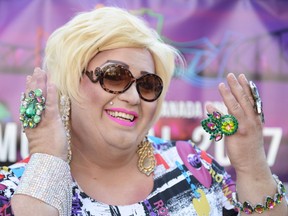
[37, 70]
[222, 85]
[28, 78]
[232, 75]
[243, 77]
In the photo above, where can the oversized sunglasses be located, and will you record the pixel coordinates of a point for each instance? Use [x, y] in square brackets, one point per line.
[116, 79]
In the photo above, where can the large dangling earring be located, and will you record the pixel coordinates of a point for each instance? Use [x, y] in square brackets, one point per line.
[146, 161]
[65, 116]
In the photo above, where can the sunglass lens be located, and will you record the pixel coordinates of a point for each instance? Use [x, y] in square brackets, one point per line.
[116, 79]
[149, 87]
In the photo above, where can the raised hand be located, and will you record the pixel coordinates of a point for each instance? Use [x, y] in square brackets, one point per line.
[245, 147]
[49, 134]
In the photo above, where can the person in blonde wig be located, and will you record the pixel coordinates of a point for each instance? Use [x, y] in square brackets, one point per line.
[70, 50]
[87, 115]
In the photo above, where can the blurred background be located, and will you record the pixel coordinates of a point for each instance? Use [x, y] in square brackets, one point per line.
[215, 36]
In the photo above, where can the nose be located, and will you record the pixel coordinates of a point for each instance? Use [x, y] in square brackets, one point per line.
[130, 95]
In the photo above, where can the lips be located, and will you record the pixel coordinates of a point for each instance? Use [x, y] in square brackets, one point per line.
[122, 116]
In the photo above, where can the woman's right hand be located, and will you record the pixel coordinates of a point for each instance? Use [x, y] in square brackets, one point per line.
[49, 135]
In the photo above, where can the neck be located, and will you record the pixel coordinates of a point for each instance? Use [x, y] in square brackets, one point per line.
[105, 157]
[109, 170]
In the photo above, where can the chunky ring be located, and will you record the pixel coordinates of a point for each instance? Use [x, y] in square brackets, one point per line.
[218, 125]
[31, 108]
[257, 100]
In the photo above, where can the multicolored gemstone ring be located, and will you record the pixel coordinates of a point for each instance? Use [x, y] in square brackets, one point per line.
[218, 125]
[31, 108]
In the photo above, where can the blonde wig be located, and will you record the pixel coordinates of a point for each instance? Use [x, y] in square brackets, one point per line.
[71, 47]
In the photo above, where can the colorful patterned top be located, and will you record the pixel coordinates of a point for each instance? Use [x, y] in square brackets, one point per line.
[187, 182]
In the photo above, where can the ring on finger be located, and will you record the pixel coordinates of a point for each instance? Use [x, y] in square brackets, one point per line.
[217, 125]
[257, 100]
[31, 108]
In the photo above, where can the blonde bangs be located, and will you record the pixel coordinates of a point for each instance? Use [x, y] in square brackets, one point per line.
[70, 48]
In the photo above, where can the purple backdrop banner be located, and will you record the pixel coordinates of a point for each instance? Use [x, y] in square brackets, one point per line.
[216, 37]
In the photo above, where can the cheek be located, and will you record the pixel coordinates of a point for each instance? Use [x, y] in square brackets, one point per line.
[156, 112]
[92, 94]
[150, 111]
[76, 116]
[88, 90]
[154, 108]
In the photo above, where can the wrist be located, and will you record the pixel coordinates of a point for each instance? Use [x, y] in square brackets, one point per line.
[270, 201]
[48, 179]
[256, 167]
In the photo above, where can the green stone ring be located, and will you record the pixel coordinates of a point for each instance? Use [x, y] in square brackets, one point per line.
[217, 125]
[31, 108]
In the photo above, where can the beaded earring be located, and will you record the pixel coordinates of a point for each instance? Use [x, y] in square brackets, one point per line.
[65, 114]
[146, 161]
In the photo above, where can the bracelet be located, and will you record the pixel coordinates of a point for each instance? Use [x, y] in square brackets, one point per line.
[48, 179]
[270, 203]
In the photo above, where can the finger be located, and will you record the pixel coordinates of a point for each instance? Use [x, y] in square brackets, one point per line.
[33, 103]
[28, 79]
[211, 108]
[28, 83]
[230, 101]
[41, 81]
[240, 95]
[31, 79]
[51, 111]
[245, 85]
[37, 80]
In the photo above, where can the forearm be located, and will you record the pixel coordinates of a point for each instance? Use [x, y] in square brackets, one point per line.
[46, 183]
[256, 186]
[23, 205]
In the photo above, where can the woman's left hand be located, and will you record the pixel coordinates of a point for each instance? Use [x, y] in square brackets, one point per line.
[244, 148]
